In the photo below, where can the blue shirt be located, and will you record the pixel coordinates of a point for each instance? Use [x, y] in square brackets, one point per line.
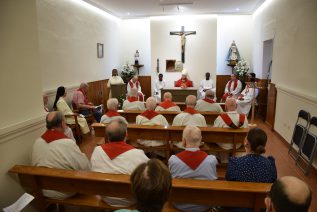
[205, 171]
[251, 168]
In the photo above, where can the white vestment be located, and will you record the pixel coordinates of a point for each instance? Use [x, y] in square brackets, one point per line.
[136, 105]
[202, 105]
[106, 119]
[124, 163]
[235, 92]
[206, 85]
[63, 107]
[219, 122]
[61, 154]
[134, 86]
[157, 120]
[184, 119]
[157, 89]
[244, 105]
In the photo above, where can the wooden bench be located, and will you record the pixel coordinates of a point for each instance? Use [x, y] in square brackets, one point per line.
[130, 115]
[90, 184]
[210, 135]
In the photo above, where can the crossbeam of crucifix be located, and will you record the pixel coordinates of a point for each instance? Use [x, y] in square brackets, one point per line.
[183, 35]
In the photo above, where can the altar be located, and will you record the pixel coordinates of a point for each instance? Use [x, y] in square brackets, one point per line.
[179, 94]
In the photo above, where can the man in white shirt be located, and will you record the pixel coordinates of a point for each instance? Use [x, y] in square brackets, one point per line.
[206, 84]
[233, 88]
[55, 150]
[112, 114]
[159, 85]
[244, 100]
[150, 117]
[193, 163]
[115, 79]
[134, 83]
[208, 103]
[167, 104]
[230, 119]
[132, 102]
[117, 157]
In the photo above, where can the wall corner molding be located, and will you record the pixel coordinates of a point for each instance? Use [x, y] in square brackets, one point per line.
[306, 97]
[10, 132]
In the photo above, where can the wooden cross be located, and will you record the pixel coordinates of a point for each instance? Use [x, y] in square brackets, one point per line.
[183, 35]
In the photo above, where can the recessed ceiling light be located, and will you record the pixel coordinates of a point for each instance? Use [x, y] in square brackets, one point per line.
[128, 13]
[237, 9]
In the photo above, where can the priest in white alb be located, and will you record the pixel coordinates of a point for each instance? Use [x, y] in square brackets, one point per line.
[134, 83]
[159, 85]
[245, 99]
[151, 117]
[208, 103]
[132, 102]
[206, 84]
[117, 157]
[233, 88]
[115, 79]
[112, 113]
[167, 104]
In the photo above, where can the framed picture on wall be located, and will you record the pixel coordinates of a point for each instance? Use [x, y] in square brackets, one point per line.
[99, 50]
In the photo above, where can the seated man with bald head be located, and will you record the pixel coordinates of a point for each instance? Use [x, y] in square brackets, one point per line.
[193, 163]
[132, 102]
[55, 150]
[117, 157]
[150, 117]
[208, 103]
[190, 116]
[80, 101]
[288, 194]
[167, 104]
[112, 114]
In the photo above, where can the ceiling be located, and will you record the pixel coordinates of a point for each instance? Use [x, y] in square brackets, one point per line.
[126, 9]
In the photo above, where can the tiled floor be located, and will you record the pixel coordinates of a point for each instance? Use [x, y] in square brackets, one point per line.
[275, 147]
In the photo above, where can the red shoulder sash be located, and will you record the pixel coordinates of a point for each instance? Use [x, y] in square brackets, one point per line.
[114, 149]
[132, 99]
[190, 110]
[52, 135]
[112, 113]
[167, 104]
[192, 159]
[209, 100]
[226, 118]
[149, 114]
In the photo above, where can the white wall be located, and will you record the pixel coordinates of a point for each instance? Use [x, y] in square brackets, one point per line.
[68, 35]
[239, 29]
[200, 53]
[135, 35]
[293, 26]
[21, 111]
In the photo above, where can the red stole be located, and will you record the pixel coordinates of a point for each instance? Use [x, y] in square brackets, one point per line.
[192, 159]
[111, 113]
[149, 114]
[226, 118]
[85, 97]
[132, 99]
[209, 100]
[116, 148]
[185, 82]
[167, 104]
[53, 135]
[136, 84]
[234, 85]
[190, 110]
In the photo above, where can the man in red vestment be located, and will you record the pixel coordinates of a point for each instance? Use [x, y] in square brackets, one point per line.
[184, 82]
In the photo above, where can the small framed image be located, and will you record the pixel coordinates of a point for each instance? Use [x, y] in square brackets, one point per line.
[99, 50]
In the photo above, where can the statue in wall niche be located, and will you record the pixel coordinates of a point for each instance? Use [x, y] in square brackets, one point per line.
[233, 55]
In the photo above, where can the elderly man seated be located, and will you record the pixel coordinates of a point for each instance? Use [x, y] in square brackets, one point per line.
[192, 163]
[208, 103]
[55, 150]
[230, 119]
[117, 157]
[150, 117]
[167, 104]
[112, 114]
[132, 102]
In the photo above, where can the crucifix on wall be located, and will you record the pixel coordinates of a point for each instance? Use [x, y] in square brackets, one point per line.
[183, 35]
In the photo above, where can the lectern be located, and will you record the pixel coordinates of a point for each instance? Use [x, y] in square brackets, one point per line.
[119, 90]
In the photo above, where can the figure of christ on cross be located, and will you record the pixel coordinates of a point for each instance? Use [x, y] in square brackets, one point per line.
[183, 35]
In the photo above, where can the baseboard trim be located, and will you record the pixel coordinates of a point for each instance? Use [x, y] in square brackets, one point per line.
[10, 132]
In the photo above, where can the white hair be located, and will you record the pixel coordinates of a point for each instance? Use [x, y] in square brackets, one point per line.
[112, 104]
[192, 134]
[151, 103]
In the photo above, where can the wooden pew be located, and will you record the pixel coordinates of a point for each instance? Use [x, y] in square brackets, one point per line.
[130, 115]
[89, 184]
[210, 135]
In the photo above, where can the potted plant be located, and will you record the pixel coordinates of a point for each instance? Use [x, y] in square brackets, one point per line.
[241, 70]
[127, 72]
